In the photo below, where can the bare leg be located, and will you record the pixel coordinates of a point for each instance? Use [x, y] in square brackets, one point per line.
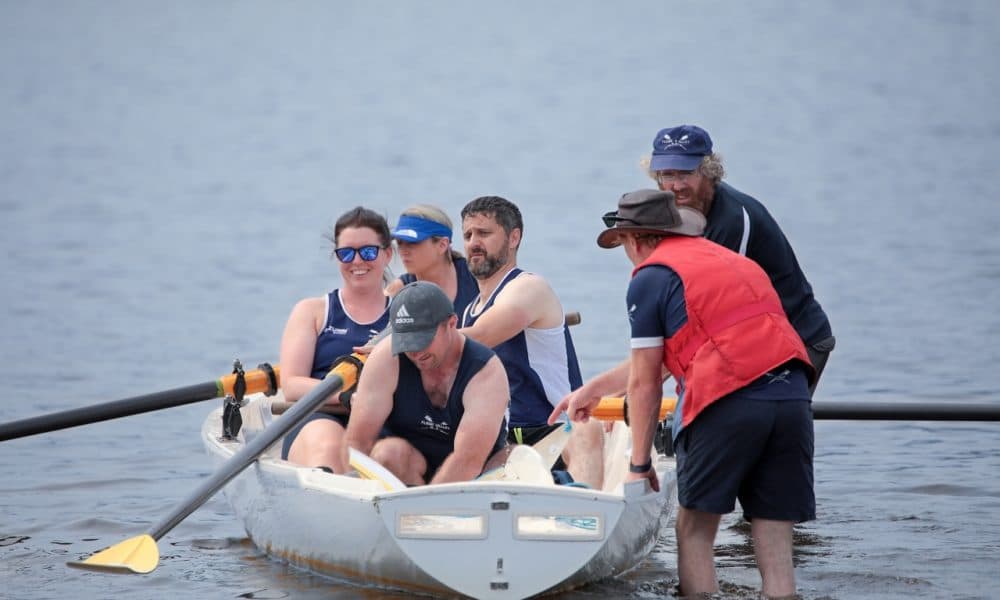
[772, 545]
[402, 459]
[584, 453]
[695, 551]
[318, 445]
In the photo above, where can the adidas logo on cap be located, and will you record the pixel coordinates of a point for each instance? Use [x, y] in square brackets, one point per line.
[403, 316]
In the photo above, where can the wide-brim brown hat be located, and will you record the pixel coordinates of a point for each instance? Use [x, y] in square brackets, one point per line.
[650, 211]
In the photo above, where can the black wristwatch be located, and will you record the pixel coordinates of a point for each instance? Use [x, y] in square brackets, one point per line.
[633, 468]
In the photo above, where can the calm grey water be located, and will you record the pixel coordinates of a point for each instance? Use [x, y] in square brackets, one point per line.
[167, 171]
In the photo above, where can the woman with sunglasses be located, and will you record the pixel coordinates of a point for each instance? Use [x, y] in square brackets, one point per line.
[423, 236]
[322, 329]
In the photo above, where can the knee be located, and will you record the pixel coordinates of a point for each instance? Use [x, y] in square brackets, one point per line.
[399, 457]
[317, 442]
[588, 436]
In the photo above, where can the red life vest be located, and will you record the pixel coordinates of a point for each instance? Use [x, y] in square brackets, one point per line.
[736, 329]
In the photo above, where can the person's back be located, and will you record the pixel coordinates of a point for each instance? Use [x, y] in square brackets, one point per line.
[713, 319]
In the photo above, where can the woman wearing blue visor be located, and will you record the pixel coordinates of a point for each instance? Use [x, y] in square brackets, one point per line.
[423, 237]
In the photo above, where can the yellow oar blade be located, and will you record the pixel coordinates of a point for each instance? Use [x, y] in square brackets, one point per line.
[138, 554]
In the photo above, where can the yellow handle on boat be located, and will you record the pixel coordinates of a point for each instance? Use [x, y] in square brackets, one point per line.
[257, 381]
[612, 408]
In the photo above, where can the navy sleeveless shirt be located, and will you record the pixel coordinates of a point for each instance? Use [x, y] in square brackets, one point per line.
[430, 429]
[341, 333]
[468, 287]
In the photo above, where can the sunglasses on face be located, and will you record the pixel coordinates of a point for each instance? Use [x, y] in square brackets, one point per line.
[367, 253]
[611, 219]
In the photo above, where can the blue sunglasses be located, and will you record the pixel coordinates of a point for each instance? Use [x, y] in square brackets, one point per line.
[367, 253]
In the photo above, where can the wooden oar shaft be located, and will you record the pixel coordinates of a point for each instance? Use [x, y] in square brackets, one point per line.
[336, 380]
[906, 411]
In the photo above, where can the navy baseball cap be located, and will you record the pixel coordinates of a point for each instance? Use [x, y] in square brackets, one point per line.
[680, 148]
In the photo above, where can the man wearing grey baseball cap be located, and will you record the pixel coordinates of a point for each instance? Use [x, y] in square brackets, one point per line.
[431, 403]
[743, 423]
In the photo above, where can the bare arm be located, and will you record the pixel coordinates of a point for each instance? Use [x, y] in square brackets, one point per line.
[298, 347]
[527, 301]
[372, 402]
[485, 402]
[580, 403]
[645, 386]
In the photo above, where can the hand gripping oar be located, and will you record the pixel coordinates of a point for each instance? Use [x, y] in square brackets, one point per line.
[259, 380]
[140, 554]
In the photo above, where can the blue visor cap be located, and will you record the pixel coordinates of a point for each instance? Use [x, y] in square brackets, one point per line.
[417, 229]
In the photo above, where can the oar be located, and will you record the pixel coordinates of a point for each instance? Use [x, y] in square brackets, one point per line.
[906, 411]
[612, 408]
[258, 380]
[140, 555]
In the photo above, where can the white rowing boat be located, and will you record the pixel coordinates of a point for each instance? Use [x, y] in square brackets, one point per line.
[503, 538]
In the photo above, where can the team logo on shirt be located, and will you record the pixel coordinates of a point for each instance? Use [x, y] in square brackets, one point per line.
[335, 330]
[428, 424]
[778, 377]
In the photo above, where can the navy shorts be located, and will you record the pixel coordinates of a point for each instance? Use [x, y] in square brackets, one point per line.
[286, 446]
[759, 451]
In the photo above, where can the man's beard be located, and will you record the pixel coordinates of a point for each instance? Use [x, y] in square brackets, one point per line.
[489, 264]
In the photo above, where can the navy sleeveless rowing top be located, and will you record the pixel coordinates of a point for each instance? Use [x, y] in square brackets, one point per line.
[430, 429]
[341, 333]
[468, 288]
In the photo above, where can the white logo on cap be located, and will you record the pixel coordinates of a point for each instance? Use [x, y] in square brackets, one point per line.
[670, 142]
[407, 232]
[403, 316]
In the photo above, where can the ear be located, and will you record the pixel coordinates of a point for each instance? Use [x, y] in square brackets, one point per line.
[515, 237]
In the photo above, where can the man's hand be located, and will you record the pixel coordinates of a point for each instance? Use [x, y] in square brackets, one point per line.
[654, 482]
[579, 405]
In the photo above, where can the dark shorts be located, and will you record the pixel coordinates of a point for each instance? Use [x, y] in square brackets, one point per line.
[286, 446]
[532, 435]
[759, 451]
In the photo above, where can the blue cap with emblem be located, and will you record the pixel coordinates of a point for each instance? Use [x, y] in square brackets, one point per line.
[680, 148]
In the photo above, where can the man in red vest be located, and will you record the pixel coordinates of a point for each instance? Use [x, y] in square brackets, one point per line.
[743, 425]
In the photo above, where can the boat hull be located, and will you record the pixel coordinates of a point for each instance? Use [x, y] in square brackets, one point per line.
[486, 539]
